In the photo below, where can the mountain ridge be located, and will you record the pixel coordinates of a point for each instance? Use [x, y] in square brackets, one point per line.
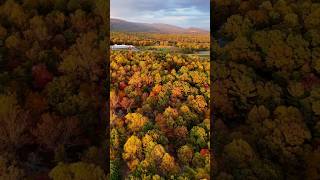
[128, 26]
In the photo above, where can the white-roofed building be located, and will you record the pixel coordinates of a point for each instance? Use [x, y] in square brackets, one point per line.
[123, 47]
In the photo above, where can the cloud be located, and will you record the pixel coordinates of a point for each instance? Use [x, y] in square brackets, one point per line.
[184, 13]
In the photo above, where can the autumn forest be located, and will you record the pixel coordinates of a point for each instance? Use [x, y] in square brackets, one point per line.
[265, 80]
[52, 76]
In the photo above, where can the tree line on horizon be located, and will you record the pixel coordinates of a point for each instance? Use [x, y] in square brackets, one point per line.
[187, 43]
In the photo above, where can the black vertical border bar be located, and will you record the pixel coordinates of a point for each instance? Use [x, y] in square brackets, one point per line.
[106, 117]
[212, 129]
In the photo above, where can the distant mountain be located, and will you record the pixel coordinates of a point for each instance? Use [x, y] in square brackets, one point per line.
[126, 26]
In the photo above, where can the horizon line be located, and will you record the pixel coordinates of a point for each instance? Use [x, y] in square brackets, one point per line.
[119, 18]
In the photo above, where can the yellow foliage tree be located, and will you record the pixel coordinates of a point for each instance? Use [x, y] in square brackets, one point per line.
[79, 171]
[132, 151]
[135, 121]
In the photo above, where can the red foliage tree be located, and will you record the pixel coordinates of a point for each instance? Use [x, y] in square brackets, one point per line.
[41, 75]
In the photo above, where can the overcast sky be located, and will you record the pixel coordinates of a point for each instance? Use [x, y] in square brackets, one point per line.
[183, 13]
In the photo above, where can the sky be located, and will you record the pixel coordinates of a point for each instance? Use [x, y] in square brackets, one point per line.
[183, 13]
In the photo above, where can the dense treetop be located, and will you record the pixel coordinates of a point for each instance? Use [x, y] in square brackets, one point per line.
[160, 113]
[265, 84]
[52, 69]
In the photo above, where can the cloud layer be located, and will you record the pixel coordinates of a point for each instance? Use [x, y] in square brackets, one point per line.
[184, 13]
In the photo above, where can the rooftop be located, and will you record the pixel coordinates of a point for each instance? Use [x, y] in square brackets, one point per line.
[123, 46]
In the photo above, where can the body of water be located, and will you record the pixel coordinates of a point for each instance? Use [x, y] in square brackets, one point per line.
[203, 52]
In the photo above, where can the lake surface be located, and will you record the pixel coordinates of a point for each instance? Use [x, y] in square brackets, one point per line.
[203, 52]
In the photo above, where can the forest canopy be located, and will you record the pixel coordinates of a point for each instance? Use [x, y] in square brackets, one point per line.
[159, 116]
[266, 89]
[52, 73]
